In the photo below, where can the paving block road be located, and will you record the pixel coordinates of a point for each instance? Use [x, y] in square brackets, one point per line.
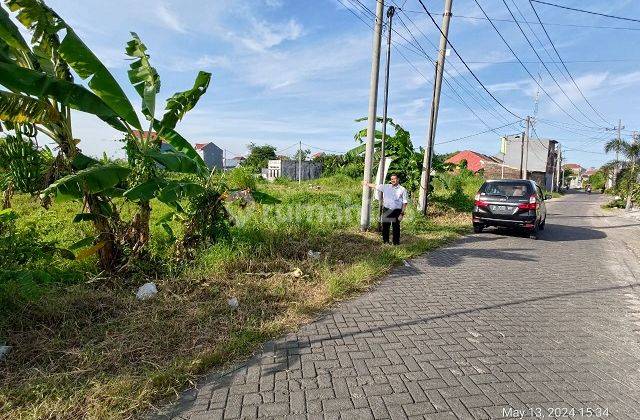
[493, 326]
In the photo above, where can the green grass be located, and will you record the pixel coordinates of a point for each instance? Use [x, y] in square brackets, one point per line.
[84, 347]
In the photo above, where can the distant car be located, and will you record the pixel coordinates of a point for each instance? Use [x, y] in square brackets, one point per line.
[514, 203]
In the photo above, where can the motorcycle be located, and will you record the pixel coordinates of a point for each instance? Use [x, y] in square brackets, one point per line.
[588, 190]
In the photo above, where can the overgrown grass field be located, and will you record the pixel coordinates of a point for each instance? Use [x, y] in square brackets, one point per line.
[83, 346]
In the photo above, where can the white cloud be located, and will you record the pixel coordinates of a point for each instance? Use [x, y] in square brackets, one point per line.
[264, 35]
[169, 19]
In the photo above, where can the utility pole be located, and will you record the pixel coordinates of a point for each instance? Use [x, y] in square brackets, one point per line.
[390, 12]
[425, 180]
[619, 128]
[299, 162]
[558, 167]
[526, 150]
[522, 155]
[365, 211]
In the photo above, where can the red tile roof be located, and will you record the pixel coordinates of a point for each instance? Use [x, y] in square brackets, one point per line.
[200, 146]
[475, 160]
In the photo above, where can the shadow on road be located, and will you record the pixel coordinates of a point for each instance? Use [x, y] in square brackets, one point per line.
[454, 256]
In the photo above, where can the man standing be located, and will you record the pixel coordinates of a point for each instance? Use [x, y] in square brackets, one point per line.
[394, 204]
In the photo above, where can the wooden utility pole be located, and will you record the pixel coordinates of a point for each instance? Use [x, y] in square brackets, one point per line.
[425, 179]
[365, 210]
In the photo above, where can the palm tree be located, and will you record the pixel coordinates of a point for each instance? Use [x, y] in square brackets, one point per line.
[631, 152]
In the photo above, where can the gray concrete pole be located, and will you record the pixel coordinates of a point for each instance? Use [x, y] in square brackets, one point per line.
[558, 167]
[390, 13]
[299, 162]
[365, 211]
[526, 150]
[425, 179]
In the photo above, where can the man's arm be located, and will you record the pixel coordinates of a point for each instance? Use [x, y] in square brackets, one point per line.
[405, 201]
[373, 185]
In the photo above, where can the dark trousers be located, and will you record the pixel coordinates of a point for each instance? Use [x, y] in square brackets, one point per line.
[390, 219]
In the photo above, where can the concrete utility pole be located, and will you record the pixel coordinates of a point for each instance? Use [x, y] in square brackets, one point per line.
[522, 155]
[299, 162]
[558, 167]
[526, 150]
[390, 12]
[425, 179]
[619, 128]
[371, 128]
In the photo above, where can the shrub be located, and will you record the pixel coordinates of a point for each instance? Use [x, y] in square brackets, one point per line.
[241, 178]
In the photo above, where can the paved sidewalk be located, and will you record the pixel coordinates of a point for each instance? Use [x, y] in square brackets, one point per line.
[492, 326]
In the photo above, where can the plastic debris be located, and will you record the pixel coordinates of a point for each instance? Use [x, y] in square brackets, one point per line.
[406, 263]
[233, 303]
[4, 350]
[297, 273]
[147, 291]
[314, 255]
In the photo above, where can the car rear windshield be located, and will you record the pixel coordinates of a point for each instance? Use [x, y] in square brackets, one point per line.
[509, 189]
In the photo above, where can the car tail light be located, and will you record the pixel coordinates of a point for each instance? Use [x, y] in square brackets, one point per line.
[479, 202]
[531, 205]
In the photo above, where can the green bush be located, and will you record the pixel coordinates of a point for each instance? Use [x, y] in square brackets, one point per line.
[241, 178]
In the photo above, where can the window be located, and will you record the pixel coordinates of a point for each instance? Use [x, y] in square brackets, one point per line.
[507, 189]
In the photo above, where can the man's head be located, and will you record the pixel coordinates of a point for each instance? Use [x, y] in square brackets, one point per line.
[394, 179]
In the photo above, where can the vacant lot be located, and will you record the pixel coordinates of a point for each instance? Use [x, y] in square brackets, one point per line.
[82, 345]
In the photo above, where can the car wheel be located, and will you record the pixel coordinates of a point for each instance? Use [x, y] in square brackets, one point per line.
[477, 227]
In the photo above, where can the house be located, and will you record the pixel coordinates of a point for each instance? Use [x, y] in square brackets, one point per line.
[542, 158]
[575, 179]
[287, 168]
[211, 154]
[233, 163]
[491, 167]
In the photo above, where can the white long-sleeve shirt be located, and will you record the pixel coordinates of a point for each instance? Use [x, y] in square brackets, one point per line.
[393, 197]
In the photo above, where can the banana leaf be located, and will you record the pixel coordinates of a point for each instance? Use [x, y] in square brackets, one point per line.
[174, 161]
[33, 83]
[143, 75]
[93, 180]
[180, 144]
[101, 82]
[10, 34]
[46, 25]
[177, 190]
[145, 191]
[180, 103]
[20, 109]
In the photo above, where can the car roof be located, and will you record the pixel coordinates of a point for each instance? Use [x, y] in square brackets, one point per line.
[511, 181]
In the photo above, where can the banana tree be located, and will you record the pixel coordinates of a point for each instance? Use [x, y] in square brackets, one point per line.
[144, 151]
[41, 93]
[398, 147]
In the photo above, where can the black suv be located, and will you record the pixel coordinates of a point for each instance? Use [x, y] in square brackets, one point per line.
[516, 203]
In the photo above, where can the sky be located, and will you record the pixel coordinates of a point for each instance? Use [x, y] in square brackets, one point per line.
[286, 71]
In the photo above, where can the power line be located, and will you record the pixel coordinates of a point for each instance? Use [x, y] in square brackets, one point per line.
[553, 62]
[521, 63]
[544, 65]
[466, 65]
[573, 25]
[564, 65]
[493, 112]
[587, 11]
[479, 133]
[454, 79]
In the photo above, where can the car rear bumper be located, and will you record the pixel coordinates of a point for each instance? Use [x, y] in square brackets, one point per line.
[528, 223]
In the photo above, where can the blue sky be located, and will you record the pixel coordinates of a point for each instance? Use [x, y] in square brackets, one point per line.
[290, 70]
